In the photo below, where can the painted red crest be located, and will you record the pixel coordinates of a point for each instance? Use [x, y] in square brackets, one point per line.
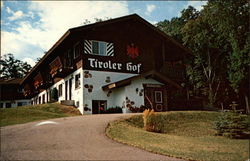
[132, 51]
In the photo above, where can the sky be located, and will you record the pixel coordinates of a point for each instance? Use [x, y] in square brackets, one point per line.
[30, 28]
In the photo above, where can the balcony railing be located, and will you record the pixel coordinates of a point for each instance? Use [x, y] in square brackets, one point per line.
[58, 70]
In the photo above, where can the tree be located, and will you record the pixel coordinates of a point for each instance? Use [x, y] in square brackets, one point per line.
[13, 68]
[219, 38]
[229, 20]
[208, 65]
[174, 26]
[232, 22]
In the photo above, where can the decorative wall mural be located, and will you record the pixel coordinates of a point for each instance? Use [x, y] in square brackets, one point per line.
[87, 74]
[89, 87]
[132, 51]
[109, 92]
[141, 92]
[108, 80]
[86, 108]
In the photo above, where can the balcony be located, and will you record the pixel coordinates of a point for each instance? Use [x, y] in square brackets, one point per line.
[174, 70]
[42, 81]
[57, 70]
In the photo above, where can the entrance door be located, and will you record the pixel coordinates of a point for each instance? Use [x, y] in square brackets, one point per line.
[66, 90]
[155, 96]
[98, 106]
[70, 88]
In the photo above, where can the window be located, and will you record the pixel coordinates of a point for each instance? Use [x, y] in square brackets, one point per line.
[99, 48]
[77, 81]
[39, 100]
[43, 97]
[77, 50]
[8, 105]
[158, 96]
[20, 90]
[60, 90]
[47, 96]
[1, 105]
[68, 58]
[19, 103]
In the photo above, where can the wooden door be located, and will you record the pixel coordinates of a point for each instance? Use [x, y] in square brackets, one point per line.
[155, 96]
[66, 90]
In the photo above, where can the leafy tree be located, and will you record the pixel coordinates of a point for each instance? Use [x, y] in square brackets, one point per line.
[174, 26]
[86, 21]
[13, 68]
[232, 22]
[207, 69]
[219, 38]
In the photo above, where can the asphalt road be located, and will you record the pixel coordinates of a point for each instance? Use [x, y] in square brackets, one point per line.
[71, 138]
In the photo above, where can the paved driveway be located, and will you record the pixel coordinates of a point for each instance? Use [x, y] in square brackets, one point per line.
[73, 138]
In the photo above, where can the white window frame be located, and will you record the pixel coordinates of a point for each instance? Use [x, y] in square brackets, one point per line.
[98, 47]
[78, 82]
[161, 94]
[74, 50]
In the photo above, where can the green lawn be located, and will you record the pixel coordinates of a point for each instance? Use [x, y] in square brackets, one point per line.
[189, 135]
[23, 114]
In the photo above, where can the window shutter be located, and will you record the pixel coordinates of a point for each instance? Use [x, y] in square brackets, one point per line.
[87, 47]
[110, 49]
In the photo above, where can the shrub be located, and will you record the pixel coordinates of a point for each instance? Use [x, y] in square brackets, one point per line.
[114, 110]
[147, 120]
[136, 121]
[233, 125]
[154, 122]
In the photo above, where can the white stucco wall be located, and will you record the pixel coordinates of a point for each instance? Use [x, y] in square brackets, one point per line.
[130, 90]
[76, 93]
[98, 80]
[118, 95]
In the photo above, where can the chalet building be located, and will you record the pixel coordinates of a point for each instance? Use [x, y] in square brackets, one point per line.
[11, 94]
[125, 62]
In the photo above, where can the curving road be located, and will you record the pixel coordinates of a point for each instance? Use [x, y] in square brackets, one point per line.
[71, 138]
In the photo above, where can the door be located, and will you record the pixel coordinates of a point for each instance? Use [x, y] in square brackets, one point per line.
[66, 90]
[70, 88]
[99, 106]
[155, 96]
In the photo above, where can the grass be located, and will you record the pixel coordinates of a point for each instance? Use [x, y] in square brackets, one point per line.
[24, 114]
[189, 136]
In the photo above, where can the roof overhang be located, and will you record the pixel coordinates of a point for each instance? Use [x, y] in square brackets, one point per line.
[151, 74]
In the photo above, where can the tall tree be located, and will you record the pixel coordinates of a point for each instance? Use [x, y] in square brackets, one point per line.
[174, 26]
[219, 38]
[232, 22]
[13, 68]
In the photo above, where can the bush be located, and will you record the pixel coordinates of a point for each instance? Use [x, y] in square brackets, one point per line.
[114, 110]
[154, 122]
[233, 125]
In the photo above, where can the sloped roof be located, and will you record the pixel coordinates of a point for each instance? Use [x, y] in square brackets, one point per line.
[152, 74]
[102, 23]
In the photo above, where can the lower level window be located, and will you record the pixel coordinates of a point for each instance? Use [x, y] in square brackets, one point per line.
[19, 103]
[77, 81]
[60, 90]
[158, 96]
[8, 105]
